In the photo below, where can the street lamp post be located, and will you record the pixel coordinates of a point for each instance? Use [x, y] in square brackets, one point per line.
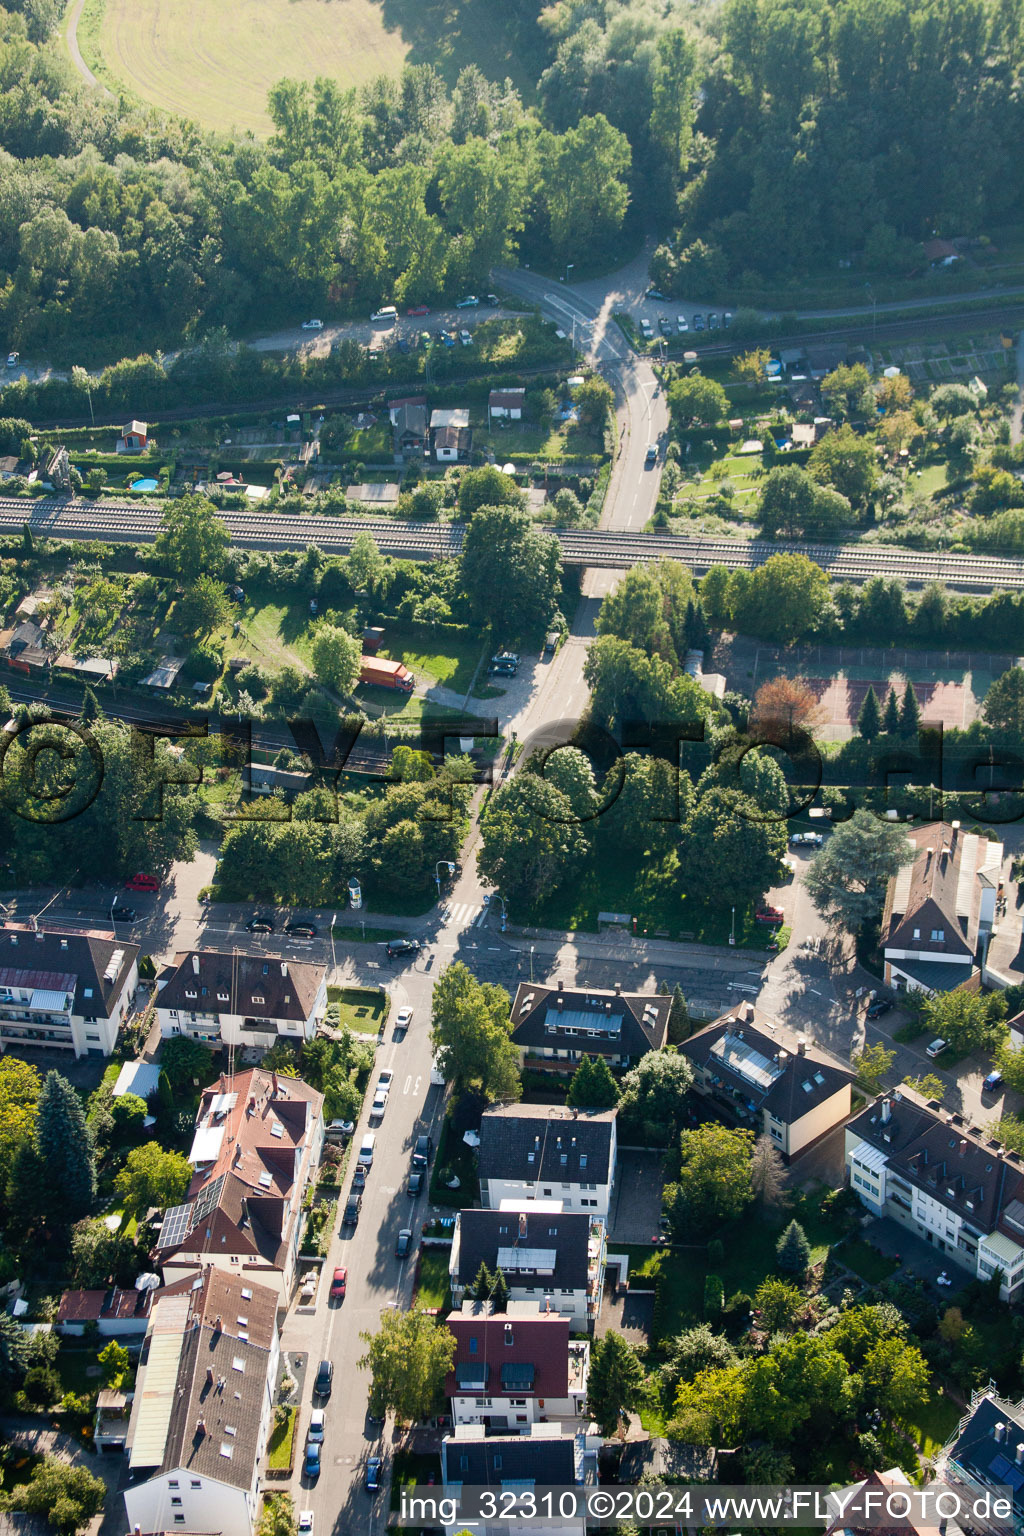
[531, 964]
[568, 268]
[732, 935]
[449, 866]
[334, 960]
[874, 311]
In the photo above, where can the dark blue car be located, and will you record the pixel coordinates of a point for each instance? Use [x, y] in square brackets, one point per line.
[313, 1459]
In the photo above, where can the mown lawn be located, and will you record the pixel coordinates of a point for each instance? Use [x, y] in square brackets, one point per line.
[282, 1437]
[867, 1262]
[450, 664]
[934, 1424]
[361, 1008]
[432, 1283]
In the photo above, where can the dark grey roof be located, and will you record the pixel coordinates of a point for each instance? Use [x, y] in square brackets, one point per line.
[263, 986]
[934, 975]
[991, 1461]
[750, 1056]
[945, 1157]
[522, 1458]
[596, 1021]
[557, 1239]
[667, 1459]
[526, 1142]
[41, 960]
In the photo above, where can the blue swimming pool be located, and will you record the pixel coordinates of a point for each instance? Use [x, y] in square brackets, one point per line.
[144, 485]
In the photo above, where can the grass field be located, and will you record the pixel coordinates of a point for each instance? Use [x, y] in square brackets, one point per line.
[216, 63]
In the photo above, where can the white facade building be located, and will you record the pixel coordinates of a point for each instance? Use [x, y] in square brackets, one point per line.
[64, 991]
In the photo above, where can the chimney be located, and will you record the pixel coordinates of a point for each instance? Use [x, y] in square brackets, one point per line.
[886, 1111]
[560, 999]
[801, 1045]
[999, 1433]
[561, 986]
[201, 1428]
[1019, 1457]
[618, 989]
[209, 1375]
[522, 1223]
[962, 1148]
[284, 968]
[218, 1325]
[195, 964]
[608, 1007]
[273, 1079]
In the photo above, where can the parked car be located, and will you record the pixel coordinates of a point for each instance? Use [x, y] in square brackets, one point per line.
[403, 1018]
[313, 1460]
[301, 930]
[352, 1207]
[414, 1184]
[404, 1243]
[646, 328]
[403, 345]
[447, 338]
[503, 668]
[260, 922]
[423, 1151]
[936, 1048]
[469, 302]
[359, 1177]
[993, 1081]
[312, 325]
[339, 1130]
[306, 1522]
[878, 1007]
[727, 319]
[665, 326]
[317, 1425]
[379, 1105]
[466, 337]
[492, 299]
[373, 1471]
[142, 883]
[398, 947]
[682, 324]
[507, 656]
[123, 914]
[385, 1079]
[12, 359]
[713, 321]
[324, 1380]
[417, 309]
[655, 293]
[806, 840]
[339, 1284]
[698, 322]
[767, 914]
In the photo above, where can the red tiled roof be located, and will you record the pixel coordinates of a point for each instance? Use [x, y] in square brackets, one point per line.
[541, 1341]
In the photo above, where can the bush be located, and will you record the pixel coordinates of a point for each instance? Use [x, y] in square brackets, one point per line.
[42, 1385]
[714, 1295]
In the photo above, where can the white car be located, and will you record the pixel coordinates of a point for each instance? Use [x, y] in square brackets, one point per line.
[12, 359]
[380, 1103]
[386, 1078]
[306, 1523]
[317, 1423]
[469, 302]
[403, 1018]
[466, 338]
[312, 325]
[682, 324]
[935, 1049]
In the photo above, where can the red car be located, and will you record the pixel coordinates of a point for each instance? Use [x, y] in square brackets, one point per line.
[418, 309]
[142, 883]
[338, 1284]
[770, 915]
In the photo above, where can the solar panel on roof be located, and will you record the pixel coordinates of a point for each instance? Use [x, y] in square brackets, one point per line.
[174, 1227]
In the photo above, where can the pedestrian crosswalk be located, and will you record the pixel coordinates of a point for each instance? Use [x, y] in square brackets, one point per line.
[463, 914]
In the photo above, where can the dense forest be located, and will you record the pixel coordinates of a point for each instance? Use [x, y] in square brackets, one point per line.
[759, 137]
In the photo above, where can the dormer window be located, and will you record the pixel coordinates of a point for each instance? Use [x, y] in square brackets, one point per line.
[222, 997]
[191, 992]
[938, 935]
[583, 1159]
[257, 997]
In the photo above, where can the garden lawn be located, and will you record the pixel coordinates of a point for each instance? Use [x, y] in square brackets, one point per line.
[361, 1008]
[451, 664]
[934, 1424]
[865, 1261]
[282, 1438]
[432, 1284]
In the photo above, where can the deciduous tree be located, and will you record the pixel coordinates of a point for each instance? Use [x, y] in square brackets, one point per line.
[192, 541]
[654, 1097]
[408, 1359]
[335, 655]
[714, 1183]
[153, 1177]
[471, 1034]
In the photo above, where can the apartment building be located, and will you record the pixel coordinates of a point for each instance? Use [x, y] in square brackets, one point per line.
[225, 998]
[64, 991]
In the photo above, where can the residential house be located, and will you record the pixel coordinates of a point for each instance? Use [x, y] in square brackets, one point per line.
[985, 1456]
[134, 438]
[117, 1314]
[258, 1138]
[450, 434]
[69, 991]
[556, 1026]
[881, 1504]
[8, 466]
[409, 424]
[548, 1256]
[27, 647]
[806, 434]
[231, 999]
[55, 467]
[506, 404]
[546, 1457]
[940, 253]
[203, 1407]
[939, 910]
[951, 1184]
[515, 1367]
[548, 1152]
[764, 1076]
[262, 779]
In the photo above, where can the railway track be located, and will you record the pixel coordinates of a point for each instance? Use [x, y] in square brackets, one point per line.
[139, 523]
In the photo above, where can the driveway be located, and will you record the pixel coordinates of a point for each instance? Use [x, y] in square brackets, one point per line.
[636, 1205]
